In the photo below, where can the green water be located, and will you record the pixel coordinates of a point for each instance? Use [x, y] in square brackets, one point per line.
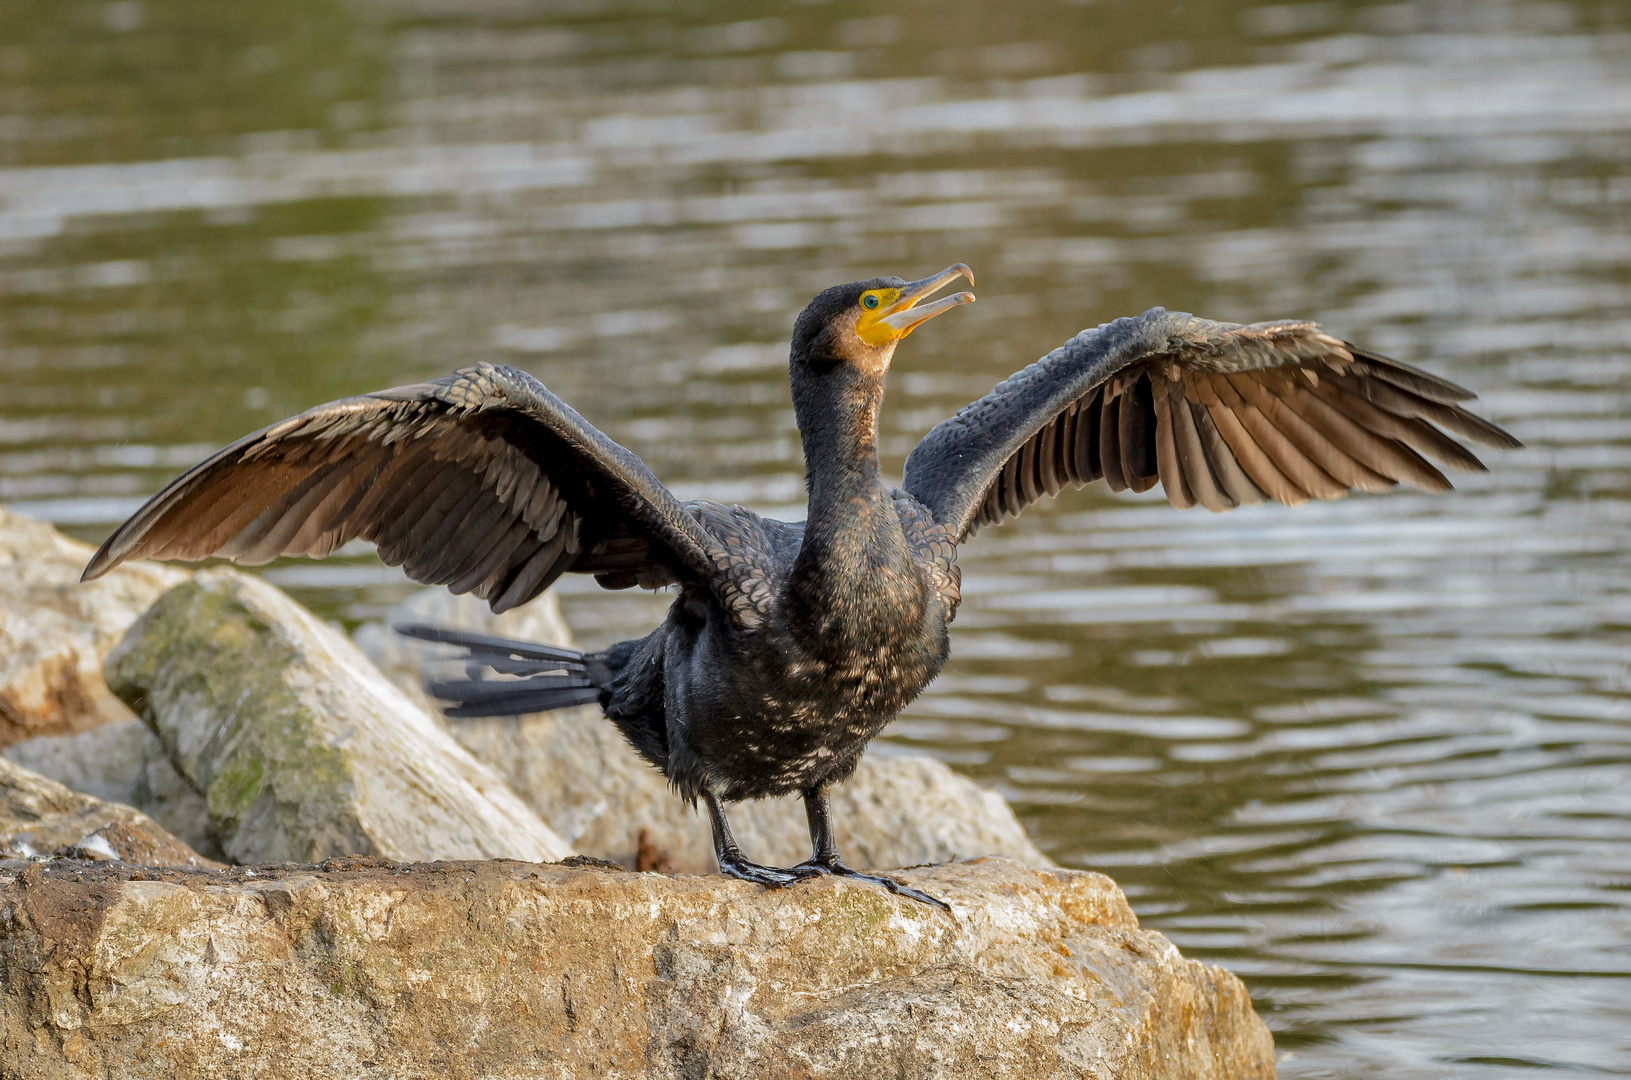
[1374, 755]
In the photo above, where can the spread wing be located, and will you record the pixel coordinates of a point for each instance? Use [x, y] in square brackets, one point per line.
[483, 481]
[1220, 414]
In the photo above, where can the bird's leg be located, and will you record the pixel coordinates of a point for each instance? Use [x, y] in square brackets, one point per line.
[824, 859]
[734, 863]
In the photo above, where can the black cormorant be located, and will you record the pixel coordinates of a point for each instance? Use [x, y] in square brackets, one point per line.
[790, 645]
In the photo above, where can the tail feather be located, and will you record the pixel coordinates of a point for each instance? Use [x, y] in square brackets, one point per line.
[550, 677]
[482, 646]
[522, 702]
[479, 689]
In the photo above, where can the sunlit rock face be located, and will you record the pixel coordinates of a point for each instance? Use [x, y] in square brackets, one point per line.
[366, 968]
[54, 631]
[300, 748]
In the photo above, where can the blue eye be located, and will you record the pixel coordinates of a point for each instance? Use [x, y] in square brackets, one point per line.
[869, 301]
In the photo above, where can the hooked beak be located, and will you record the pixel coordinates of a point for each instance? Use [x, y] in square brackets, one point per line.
[903, 316]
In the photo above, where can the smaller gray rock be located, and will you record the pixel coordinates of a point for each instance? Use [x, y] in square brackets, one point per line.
[39, 816]
[579, 774]
[124, 762]
[104, 762]
[299, 747]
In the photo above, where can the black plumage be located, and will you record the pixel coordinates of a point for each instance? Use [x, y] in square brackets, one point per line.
[790, 645]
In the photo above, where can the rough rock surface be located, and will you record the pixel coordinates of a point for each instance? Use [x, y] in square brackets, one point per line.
[300, 748]
[123, 762]
[39, 816]
[575, 770]
[54, 632]
[499, 969]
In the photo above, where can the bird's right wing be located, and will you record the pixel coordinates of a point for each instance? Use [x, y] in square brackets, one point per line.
[483, 481]
[1219, 413]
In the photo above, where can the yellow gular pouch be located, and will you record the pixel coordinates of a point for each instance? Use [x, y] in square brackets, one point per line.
[870, 327]
[884, 316]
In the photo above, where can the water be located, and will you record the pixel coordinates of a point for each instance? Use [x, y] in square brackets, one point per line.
[1374, 755]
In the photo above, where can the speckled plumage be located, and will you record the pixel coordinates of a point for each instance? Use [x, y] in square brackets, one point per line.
[790, 646]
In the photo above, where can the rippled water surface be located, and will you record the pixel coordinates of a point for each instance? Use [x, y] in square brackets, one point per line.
[1375, 755]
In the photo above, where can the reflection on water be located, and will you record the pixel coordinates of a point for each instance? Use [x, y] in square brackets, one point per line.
[1375, 755]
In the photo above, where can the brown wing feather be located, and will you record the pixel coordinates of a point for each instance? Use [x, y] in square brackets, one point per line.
[1256, 464]
[1221, 415]
[1196, 465]
[482, 481]
[1168, 401]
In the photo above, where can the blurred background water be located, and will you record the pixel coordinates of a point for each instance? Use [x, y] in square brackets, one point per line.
[1374, 755]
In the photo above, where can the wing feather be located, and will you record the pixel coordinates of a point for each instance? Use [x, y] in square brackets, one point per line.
[1050, 461]
[1413, 432]
[1138, 466]
[1197, 469]
[1110, 443]
[1257, 465]
[1088, 467]
[1299, 442]
[1220, 414]
[1230, 477]
[483, 480]
[1286, 456]
[1393, 460]
[1030, 482]
[1168, 402]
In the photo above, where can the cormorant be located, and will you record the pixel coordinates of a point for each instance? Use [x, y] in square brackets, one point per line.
[790, 645]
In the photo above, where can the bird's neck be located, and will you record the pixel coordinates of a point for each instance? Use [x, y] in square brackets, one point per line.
[854, 558]
[838, 422]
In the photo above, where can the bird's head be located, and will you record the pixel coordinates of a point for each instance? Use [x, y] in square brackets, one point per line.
[857, 326]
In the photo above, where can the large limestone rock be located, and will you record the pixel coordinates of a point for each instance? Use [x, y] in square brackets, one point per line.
[580, 775]
[54, 632]
[123, 762]
[300, 748]
[475, 970]
[39, 816]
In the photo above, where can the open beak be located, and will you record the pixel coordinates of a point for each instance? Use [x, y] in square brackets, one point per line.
[903, 316]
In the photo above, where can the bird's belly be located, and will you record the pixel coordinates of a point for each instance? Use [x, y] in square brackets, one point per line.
[791, 726]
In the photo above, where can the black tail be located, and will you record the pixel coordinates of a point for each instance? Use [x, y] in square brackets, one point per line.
[547, 677]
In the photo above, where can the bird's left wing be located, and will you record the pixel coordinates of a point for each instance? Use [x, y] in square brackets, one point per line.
[1219, 413]
[483, 481]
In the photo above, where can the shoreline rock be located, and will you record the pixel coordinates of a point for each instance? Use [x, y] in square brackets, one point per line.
[300, 747]
[364, 968]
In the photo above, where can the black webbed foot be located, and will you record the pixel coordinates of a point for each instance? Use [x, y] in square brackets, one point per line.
[836, 868]
[737, 865]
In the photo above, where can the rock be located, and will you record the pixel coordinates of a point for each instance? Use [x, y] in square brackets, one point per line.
[54, 632]
[39, 816]
[579, 774]
[300, 748]
[472, 970]
[105, 762]
[123, 762]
